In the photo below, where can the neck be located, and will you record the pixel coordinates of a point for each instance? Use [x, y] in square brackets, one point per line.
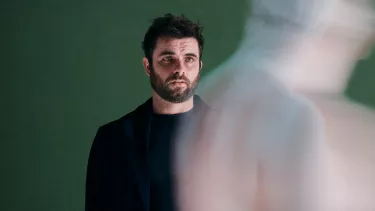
[330, 82]
[161, 106]
[318, 67]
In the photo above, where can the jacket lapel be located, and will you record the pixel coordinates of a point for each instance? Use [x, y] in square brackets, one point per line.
[141, 120]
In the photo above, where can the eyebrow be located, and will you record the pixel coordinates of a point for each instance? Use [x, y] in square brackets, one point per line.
[191, 54]
[165, 53]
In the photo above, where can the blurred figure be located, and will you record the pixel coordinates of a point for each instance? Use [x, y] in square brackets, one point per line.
[283, 136]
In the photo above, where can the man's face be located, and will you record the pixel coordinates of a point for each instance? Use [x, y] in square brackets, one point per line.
[174, 72]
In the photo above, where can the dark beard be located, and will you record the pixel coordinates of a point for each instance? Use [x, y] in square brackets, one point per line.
[172, 95]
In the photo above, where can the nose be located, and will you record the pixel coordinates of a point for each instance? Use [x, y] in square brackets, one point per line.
[179, 68]
[178, 74]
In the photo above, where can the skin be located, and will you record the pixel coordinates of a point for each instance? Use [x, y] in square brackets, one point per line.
[175, 68]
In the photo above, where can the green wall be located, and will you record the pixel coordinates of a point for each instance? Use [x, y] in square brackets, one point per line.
[68, 67]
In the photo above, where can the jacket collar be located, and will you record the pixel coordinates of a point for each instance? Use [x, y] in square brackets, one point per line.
[146, 108]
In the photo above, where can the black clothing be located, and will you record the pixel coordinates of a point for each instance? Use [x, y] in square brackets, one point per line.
[118, 172]
[163, 130]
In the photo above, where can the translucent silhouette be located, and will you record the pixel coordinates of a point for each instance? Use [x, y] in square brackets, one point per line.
[281, 135]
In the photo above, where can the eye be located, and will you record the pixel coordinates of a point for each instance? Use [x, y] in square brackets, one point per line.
[167, 59]
[189, 59]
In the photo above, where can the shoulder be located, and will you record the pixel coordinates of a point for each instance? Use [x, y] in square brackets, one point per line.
[114, 132]
[305, 132]
[109, 135]
[308, 114]
[111, 140]
[294, 109]
[118, 124]
[288, 120]
[301, 118]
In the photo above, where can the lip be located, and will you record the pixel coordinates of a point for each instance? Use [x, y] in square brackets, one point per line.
[177, 82]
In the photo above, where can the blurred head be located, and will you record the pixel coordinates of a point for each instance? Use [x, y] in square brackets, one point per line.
[173, 47]
[330, 57]
[314, 44]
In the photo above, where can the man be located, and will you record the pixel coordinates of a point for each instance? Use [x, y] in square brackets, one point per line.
[130, 162]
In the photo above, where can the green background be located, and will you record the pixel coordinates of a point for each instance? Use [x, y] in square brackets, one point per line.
[68, 67]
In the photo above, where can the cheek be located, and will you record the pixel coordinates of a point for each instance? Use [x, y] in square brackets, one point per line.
[193, 74]
[161, 72]
[164, 70]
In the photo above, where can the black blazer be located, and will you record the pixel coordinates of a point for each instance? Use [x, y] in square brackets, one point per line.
[117, 172]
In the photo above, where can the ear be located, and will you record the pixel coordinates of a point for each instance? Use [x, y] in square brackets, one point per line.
[200, 65]
[146, 66]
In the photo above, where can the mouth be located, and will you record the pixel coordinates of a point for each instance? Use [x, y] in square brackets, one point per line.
[177, 82]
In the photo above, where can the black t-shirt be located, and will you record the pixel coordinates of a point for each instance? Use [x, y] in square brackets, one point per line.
[163, 131]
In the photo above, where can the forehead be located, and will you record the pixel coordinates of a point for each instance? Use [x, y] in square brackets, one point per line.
[187, 45]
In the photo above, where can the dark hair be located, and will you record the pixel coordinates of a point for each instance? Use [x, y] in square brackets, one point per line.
[171, 26]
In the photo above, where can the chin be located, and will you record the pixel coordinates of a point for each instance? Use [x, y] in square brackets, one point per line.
[178, 91]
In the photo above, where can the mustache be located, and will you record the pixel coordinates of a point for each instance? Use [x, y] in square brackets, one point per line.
[176, 77]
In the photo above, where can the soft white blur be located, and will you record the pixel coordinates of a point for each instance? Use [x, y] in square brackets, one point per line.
[281, 135]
